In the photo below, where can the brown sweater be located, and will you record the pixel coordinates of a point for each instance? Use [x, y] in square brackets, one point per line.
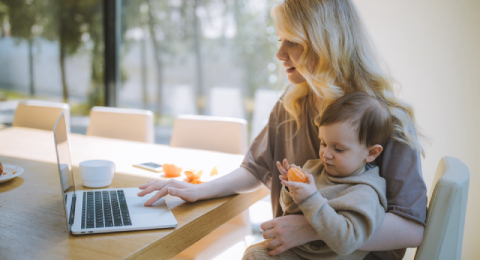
[398, 164]
[345, 212]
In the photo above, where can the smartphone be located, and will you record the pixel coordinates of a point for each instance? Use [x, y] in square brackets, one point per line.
[150, 166]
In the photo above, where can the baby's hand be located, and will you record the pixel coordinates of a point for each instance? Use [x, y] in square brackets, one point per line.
[299, 190]
[283, 169]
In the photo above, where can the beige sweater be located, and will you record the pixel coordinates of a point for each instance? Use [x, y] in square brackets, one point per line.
[345, 212]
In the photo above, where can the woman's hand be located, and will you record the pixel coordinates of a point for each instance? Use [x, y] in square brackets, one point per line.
[287, 232]
[186, 191]
[238, 181]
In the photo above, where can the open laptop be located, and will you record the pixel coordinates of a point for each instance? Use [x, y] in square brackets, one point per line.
[104, 210]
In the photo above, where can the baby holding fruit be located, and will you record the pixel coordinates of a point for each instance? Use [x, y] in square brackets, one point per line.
[326, 53]
[340, 194]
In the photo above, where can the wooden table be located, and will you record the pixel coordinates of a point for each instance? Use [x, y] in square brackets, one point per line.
[32, 217]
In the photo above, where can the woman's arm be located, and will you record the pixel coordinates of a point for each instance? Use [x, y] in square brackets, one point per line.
[238, 181]
[293, 230]
[395, 232]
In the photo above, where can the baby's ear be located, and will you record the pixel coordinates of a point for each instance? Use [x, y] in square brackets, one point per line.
[373, 152]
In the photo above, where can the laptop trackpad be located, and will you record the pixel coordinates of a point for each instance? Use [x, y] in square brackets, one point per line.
[158, 214]
[136, 204]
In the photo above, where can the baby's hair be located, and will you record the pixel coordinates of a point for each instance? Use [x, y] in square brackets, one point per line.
[369, 115]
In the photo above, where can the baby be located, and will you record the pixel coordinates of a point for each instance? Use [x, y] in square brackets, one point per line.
[344, 196]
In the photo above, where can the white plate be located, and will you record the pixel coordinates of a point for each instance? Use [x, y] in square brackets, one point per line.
[10, 172]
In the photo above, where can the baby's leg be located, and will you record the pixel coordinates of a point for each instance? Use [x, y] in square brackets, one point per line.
[260, 252]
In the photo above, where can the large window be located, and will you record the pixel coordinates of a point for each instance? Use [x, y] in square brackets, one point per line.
[176, 56]
[51, 50]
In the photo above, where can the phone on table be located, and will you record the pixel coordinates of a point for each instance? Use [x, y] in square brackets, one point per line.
[150, 166]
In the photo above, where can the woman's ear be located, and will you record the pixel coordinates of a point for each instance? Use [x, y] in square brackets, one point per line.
[373, 152]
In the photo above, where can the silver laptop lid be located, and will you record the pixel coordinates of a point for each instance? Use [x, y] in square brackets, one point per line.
[64, 166]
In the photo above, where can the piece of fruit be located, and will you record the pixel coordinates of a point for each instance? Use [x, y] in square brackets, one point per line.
[1, 168]
[191, 175]
[295, 174]
[196, 181]
[171, 170]
[214, 171]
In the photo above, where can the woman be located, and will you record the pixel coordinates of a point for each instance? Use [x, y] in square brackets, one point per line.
[326, 53]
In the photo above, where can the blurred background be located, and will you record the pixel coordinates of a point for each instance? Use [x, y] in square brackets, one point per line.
[174, 56]
[179, 56]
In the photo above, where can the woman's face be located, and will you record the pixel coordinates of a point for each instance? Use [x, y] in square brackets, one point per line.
[289, 53]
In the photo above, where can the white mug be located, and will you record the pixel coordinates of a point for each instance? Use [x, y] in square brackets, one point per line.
[97, 173]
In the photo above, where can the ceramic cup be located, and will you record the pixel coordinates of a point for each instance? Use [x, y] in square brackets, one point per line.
[97, 173]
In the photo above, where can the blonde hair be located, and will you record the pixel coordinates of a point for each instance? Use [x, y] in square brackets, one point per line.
[338, 58]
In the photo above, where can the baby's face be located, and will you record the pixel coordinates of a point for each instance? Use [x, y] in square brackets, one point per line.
[340, 150]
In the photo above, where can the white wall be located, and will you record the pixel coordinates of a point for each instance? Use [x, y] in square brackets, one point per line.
[433, 50]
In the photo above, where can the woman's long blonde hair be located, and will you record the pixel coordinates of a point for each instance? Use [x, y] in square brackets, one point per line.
[338, 58]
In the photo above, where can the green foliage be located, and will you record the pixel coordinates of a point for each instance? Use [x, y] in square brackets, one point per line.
[80, 109]
[174, 29]
[11, 95]
[65, 21]
[255, 49]
[3, 16]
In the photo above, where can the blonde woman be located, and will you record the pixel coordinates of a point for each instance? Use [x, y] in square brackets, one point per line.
[326, 53]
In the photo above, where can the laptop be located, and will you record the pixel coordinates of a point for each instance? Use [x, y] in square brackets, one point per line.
[104, 210]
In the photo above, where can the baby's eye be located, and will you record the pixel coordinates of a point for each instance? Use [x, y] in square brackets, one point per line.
[339, 150]
[323, 144]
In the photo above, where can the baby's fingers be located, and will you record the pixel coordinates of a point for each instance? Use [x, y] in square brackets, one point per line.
[290, 184]
[286, 165]
[282, 170]
[296, 184]
[310, 178]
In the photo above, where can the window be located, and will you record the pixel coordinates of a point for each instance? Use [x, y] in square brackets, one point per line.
[51, 50]
[176, 56]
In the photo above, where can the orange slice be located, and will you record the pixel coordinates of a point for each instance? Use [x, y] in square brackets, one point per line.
[171, 170]
[214, 171]
[196, 181]
[191, 175]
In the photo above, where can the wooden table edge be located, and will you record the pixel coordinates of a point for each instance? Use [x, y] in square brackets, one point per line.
[165, 249]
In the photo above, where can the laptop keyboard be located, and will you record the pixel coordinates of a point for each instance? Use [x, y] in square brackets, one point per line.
[104, 209]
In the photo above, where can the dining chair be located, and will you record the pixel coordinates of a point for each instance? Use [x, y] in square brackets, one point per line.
[40, 114]
[222, 134]
[443, 236]
[122, 123]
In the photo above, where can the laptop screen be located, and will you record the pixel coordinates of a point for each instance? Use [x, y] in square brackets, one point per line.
[64, 164]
